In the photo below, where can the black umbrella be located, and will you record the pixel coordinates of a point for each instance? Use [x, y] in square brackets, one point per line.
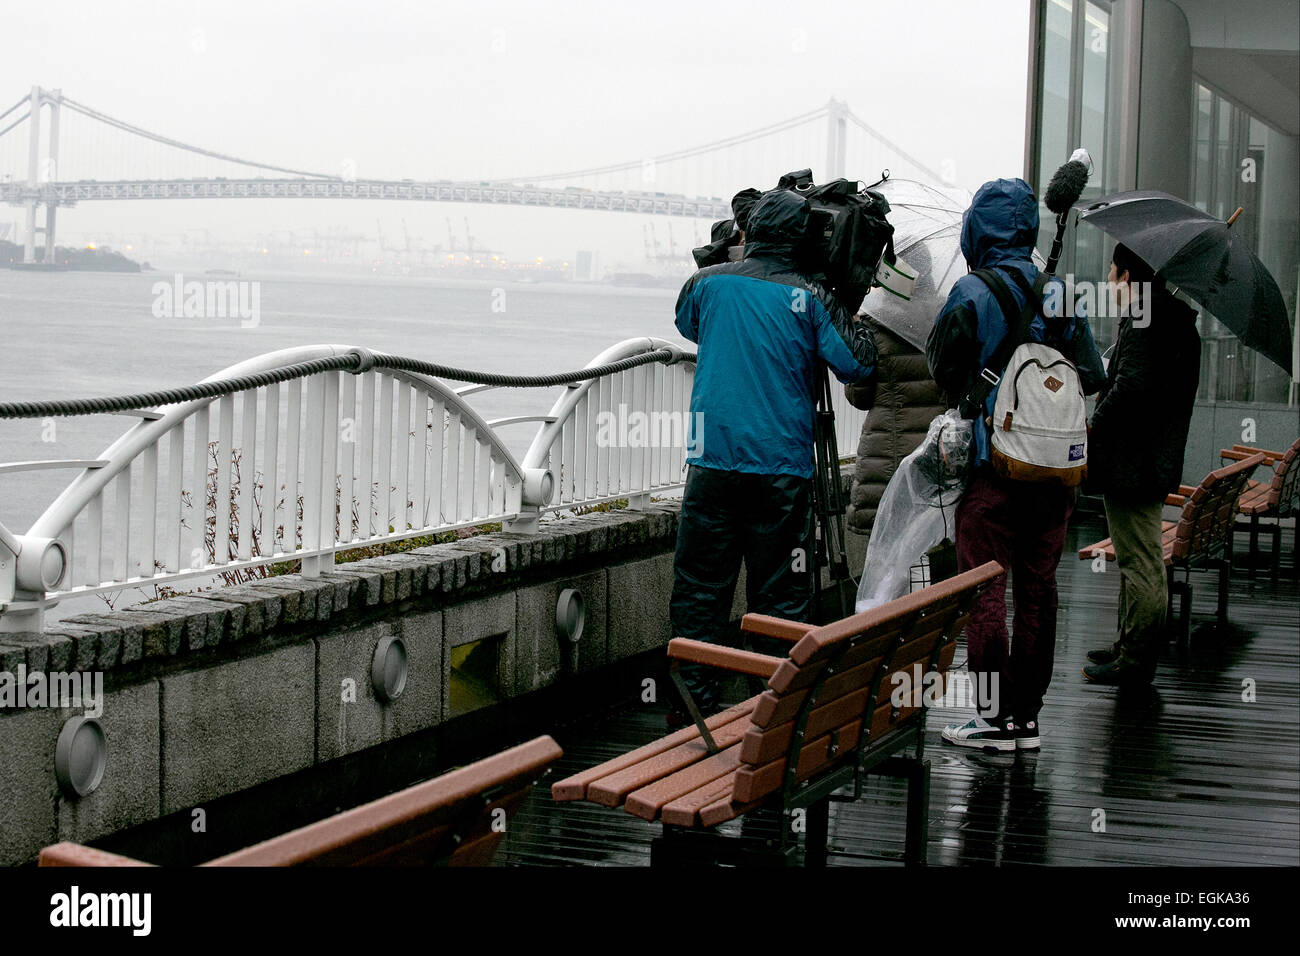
[1198, 254]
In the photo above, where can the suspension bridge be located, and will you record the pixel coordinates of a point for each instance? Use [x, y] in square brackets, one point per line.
[74, 153]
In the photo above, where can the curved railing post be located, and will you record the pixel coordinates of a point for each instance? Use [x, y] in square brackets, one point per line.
[579, 455]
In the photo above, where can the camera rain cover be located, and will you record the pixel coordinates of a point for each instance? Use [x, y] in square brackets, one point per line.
[917, 510]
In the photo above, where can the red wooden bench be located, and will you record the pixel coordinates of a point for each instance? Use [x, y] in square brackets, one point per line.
[1273, 499]
[825, 720]
[1200, 539]
[452, 820]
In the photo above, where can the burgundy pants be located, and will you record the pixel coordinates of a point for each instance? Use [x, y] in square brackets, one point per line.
[1021, 525]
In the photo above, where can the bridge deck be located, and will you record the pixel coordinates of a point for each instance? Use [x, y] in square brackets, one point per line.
[1186, 772]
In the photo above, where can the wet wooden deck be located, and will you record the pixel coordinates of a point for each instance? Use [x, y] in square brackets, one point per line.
[1186, 772]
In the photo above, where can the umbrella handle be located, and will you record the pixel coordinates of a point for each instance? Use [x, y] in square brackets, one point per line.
[1233, 217]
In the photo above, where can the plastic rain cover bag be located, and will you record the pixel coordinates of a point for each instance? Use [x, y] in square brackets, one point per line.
[917, 509]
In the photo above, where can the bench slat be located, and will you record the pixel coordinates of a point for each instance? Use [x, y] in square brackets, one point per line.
[763, 744]
[778, 707]
[646, 802]
[898, 613]
[792, 677]
[773, 708]
[756, 782]
[685, 810]
[1168, 529]
[390, 818]
[420, 847]
[720, 811]
[612, 790]
[575, 787]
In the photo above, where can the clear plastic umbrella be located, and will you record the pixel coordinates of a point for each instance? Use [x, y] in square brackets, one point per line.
[927, 236]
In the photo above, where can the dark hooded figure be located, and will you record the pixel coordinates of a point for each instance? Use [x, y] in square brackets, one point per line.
[1019, 524]
[763, 329]
[727, 236]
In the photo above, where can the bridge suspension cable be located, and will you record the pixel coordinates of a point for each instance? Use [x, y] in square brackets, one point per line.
[21, 101]
[850, 115]
[730, 141]
[15, 122]
[167, 141]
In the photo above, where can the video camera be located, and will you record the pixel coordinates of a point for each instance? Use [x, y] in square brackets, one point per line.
[848, 238]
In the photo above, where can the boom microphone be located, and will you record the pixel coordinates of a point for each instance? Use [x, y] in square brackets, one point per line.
[1063, 191]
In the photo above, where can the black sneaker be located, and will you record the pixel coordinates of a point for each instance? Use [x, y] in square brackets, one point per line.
[1103, 655]
[1118, 672]
[1026, 735]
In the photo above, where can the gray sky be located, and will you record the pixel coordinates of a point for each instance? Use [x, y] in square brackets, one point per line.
[495, 90]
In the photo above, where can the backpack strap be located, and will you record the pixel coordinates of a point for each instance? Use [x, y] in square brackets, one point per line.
[1017, 334]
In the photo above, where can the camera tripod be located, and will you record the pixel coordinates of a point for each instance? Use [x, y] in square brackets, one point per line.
[839, 596]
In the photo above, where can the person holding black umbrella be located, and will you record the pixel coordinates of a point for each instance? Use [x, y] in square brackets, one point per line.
[1139, 429]
[1135, 455]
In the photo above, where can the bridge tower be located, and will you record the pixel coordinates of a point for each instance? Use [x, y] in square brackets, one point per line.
[38, 172]
[837, 139]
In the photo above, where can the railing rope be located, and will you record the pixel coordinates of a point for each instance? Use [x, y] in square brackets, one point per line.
[331, 464]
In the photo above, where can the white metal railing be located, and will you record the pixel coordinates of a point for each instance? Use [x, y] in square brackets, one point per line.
[618, 436]
[299, 470]
[290, 471]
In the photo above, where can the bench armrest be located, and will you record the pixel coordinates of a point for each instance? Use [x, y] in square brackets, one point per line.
[727, 658]
[1245, 451]
[74, 854]
[764, 625]
[1176, 501]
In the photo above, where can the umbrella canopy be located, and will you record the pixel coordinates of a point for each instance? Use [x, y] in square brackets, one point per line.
[1198, 254]
[927, 236]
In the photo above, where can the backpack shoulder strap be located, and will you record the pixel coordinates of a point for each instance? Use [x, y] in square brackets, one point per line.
[1018, 322]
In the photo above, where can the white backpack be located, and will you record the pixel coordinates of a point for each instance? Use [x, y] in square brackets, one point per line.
[1038, 429]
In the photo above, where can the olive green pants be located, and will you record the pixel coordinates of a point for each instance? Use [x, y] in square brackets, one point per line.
[1143, 587]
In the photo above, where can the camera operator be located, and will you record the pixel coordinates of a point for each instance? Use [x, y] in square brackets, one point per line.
[727, 237]
[762, 327]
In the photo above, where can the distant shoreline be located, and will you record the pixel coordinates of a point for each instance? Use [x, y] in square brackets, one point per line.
[69, 260]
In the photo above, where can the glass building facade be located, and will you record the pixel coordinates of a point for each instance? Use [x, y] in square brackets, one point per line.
[1195, 98]
[1200, 99]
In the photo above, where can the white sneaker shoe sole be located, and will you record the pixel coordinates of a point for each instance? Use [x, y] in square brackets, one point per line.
[989, 745]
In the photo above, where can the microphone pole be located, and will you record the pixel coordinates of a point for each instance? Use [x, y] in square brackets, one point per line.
[1063, 192]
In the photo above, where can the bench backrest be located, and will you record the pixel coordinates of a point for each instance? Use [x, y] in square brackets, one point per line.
[1285, 493]
[834, 691]
[449, 820]
[1205, 526]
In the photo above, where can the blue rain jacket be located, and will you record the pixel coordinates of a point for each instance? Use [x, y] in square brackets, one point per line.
[763, 328]
[999, 231]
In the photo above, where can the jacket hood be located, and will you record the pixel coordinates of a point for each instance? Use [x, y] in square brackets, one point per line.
[1001, 223]
[777, 225]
